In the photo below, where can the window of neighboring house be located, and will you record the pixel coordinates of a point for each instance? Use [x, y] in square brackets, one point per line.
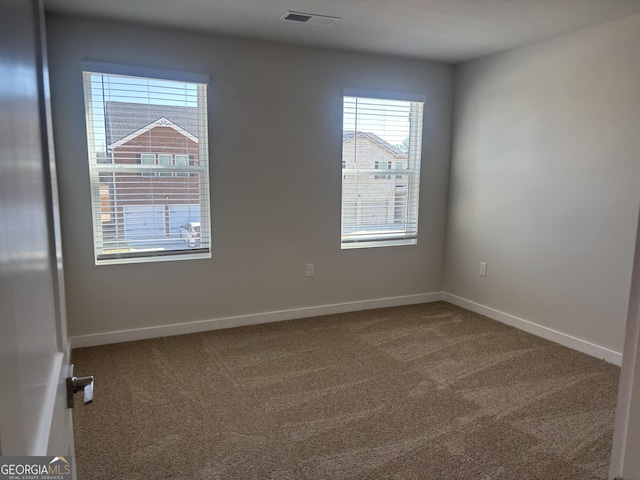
[382, 165]
[165, 160]
[132, 115]
[147, 159]
[380, 210]
[182, 161]
[399, 166]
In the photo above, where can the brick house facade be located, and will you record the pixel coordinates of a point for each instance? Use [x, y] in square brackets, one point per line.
[160, 199]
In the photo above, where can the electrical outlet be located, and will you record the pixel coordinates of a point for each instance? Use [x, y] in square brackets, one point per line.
[310, 270]
[483, 269]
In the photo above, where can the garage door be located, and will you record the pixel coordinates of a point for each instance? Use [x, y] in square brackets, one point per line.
[181, 214]
[144, 225]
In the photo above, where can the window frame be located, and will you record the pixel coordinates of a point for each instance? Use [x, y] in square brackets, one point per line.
[170, 164]
[382, 165]
[96, 169]
[411, 171]
[147, 156]
[188, 159]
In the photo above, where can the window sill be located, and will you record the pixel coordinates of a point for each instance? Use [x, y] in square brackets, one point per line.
[154, 258]
[378, 243]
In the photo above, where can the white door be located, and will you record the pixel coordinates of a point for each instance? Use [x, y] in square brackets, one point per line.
[625, 458]
[34, 419]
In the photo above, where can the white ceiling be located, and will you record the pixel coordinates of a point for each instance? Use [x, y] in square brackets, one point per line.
[445, 30]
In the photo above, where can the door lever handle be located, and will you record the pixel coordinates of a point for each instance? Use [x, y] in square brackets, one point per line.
[76, 384]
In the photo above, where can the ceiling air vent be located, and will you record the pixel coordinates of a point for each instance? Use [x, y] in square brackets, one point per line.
[310, 18]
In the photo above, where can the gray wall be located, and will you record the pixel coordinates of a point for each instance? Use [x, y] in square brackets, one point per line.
[545, 181]
[275, 134]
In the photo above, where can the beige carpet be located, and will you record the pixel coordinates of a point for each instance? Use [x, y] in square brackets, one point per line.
[422, 392]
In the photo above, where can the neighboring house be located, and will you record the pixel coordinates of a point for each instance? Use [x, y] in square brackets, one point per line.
[150, 202]
[375, 199]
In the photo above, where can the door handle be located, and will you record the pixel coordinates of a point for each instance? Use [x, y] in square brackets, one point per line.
[77, 384]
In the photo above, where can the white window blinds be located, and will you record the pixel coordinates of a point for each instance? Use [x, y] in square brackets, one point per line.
[149, 166]
[380, 133]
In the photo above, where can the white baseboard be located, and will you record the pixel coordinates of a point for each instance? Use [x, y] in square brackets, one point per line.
[292, 314]
[251, 319]
[544, 332]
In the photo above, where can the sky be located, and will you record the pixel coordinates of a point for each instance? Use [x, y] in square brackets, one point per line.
[389, 119]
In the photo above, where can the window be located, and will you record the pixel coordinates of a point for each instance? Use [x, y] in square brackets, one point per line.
[381, 131]
[147, 159]
[148, 162]
[165, 159]
[382, 165]
[399, 166]
[182, 161]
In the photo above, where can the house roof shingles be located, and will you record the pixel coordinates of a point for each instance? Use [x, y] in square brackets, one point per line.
[123, 118]
[348, 135]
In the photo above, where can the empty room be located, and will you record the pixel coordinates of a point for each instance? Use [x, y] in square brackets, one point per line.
[321, 240]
